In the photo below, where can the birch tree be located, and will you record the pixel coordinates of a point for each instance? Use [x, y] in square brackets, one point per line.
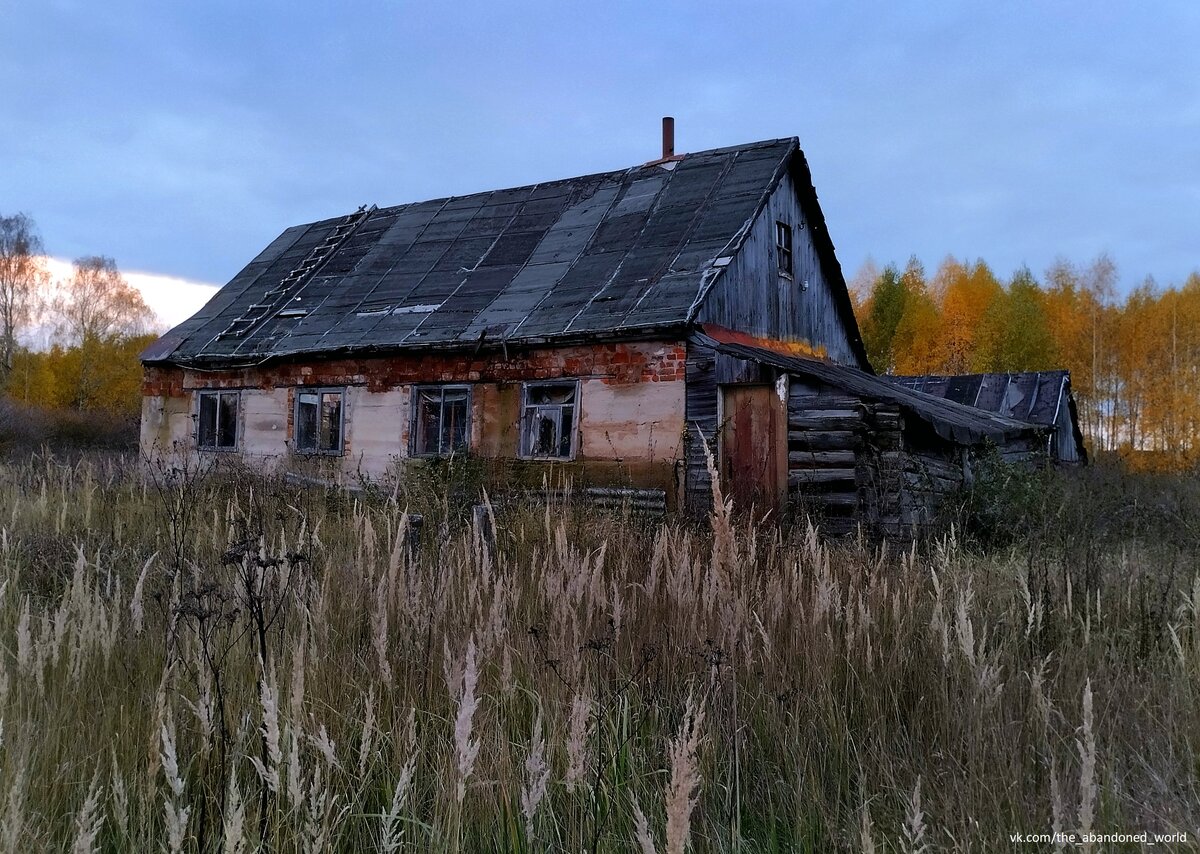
[22, 276]
[97, 303]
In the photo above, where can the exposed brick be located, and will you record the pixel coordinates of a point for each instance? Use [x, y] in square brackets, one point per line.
[614, 364]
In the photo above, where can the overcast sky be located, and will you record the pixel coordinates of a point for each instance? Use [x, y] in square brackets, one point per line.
[181, 138]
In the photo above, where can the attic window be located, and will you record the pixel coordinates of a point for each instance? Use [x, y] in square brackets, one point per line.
[783, 247]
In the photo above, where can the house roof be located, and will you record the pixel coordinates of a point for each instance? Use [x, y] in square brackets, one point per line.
[1035, 396]
[952, 421]
[1029, 396]
[620, 253]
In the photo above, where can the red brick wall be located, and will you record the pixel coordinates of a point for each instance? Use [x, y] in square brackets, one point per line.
[615, 364]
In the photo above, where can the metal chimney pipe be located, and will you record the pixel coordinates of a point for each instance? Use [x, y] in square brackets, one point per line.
[668, 137]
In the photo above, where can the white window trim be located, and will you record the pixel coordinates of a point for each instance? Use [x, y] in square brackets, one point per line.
[522, 451]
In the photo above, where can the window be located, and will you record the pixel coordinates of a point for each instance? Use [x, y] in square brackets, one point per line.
[441, 420]
[319, 420]
[216, 427]
[783, 247]
[548, 420]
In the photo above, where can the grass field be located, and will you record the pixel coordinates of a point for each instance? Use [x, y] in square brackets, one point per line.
[221, 662]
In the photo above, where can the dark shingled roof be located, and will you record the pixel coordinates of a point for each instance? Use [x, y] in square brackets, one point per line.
[620, 253]
[1034, 396]
[952, 421]
[1030, 396]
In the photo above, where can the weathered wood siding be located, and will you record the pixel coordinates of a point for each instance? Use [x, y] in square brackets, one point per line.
[850, 460]
[853, 460]
[707, 371]
[826, 438]
[753, 297]
[703, 427]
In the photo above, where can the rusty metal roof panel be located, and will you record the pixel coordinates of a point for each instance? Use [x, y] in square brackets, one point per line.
[609, 252]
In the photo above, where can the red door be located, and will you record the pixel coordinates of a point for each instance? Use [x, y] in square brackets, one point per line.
[753, 438]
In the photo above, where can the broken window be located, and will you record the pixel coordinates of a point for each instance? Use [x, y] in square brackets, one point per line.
[319, 421]
[548, 420]
[783, 247]
[441, 420]
[216, 427]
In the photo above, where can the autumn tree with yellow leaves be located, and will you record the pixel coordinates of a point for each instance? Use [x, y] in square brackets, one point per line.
[96, 321]
[1134, 362]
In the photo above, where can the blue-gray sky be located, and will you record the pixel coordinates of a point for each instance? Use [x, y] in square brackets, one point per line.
[181, 138]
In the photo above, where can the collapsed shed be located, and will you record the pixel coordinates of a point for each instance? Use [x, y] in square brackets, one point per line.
[834, 441]
[1039, 397]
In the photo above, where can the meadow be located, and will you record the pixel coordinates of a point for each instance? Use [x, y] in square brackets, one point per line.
[221, 662]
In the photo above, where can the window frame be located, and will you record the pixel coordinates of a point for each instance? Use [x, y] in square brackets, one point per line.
[524, 452]
[219, 394]
[320, 392]
[415, 416]
[784, 249]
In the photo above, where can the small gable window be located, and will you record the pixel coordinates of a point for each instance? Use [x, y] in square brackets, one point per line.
[548, 420]
[319, 420]
[216, 427]
[783, 247]
[441, 420]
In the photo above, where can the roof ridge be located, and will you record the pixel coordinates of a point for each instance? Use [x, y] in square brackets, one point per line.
[728, 149]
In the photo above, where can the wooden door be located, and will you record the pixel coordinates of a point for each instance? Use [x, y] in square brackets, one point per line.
[753, 448]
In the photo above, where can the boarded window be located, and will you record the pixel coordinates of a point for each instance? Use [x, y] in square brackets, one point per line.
[319, 421]
[441, 420]
[217, 421]
[548, 420]
[783, 247]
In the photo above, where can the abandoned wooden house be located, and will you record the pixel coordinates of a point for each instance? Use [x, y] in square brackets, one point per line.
[606, 328]
[1040, 397]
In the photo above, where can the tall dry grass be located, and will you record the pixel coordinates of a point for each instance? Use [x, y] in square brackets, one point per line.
[220, 663]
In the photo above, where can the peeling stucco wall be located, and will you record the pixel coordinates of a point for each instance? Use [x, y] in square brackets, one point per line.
[630, 409]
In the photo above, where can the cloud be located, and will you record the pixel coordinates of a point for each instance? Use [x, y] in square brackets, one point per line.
[172, 299]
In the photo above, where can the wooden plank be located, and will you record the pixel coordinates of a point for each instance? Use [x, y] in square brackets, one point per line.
[701, 413]
[823, 440]
[797, 477]
[817, 412]
[825, 422]
[807, 400]
[820, 459]
[832, 499]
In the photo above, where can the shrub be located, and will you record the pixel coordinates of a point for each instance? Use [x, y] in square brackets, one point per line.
[26, 428]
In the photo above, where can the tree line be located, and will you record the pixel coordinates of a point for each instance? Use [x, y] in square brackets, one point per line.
[68, 344]
[1134, 360]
